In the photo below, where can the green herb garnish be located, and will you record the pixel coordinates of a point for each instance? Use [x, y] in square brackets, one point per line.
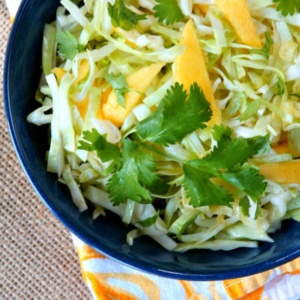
[178, 114]
[287, 7]
[67, 44]
[123, 17]
[168, 11]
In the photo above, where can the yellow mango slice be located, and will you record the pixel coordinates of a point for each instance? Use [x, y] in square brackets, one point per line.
[190, 67]
[281, 148]
[202, 7]
[282, 172]
[83, 107]
[238, 14]
[59, 73]
[83, 71]
[138, 81]
[104, 98]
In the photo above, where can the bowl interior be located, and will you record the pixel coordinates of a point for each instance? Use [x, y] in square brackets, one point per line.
[108, 234]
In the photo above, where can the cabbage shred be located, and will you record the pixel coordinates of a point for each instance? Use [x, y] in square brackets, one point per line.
[165, 170]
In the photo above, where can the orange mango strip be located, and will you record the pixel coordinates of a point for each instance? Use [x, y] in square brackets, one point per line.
[83, 71]
[138, 81]
[238, 15]
[282, 172]
[83, 107]
[104, 98]
[281, 148]
[59, 73]
[190, 67]
[202, 7]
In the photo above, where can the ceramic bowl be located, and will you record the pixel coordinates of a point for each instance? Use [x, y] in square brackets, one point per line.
[108, 234]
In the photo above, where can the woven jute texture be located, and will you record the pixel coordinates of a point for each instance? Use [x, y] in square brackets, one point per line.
[37, 258]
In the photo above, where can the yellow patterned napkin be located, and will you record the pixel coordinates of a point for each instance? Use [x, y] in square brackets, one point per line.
[108, 279]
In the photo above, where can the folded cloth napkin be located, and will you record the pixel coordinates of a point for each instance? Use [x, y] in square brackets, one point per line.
[108, 279]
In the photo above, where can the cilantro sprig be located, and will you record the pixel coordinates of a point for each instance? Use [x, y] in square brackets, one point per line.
[93, 140]
[67, 44]
[227, 161]
[178, 114]
[191, 111]
[168, 11]
[287, 7]
[123, 17]
[136, 173]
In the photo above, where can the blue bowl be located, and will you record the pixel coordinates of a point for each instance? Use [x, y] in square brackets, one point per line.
[108, 234]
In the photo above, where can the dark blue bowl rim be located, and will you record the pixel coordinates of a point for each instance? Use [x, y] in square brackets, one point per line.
[89, 239]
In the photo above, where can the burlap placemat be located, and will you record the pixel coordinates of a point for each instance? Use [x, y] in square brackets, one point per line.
[37, 258]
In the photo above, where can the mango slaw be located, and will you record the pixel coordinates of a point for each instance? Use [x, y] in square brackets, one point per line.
[245, 59]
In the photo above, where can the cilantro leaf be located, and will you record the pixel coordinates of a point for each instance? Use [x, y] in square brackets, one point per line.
[227, 154]
[246, 179]
[133, 177]
[287, 7]
[228, 162]
[230, 153]
[260, 144]
[201, 190]
[93, 140]
[258, 210]
[221, 131]
[245, 205]
[168, 11]
[124, 184]
[265, 51]
[120, 86]
[160, 187]
[149, 221]
[67, 44]
[123, 17]
[177, 107]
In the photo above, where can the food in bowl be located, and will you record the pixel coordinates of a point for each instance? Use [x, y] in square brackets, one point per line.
[182, 118]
